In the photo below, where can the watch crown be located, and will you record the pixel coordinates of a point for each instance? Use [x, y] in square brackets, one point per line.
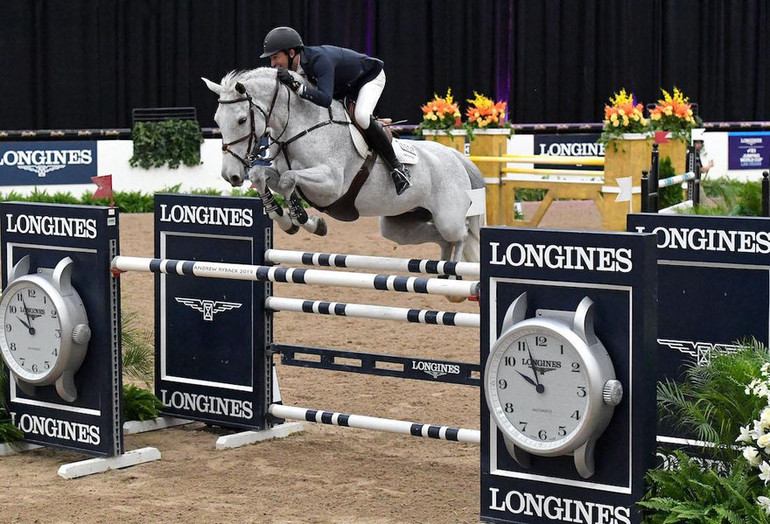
[81, 334]
[612, 393]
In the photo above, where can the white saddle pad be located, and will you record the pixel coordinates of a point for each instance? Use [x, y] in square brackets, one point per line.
[405, 152]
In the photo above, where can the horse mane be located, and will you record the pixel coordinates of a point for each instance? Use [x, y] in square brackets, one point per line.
[245, 75]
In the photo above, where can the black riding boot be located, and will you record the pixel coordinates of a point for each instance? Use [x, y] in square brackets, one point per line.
[378, 139]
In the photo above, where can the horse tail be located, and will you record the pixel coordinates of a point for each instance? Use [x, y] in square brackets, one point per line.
[472, 245]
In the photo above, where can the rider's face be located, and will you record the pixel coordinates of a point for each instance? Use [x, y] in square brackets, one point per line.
[281, 59]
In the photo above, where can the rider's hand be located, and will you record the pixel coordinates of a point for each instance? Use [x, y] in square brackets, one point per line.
[285, 78]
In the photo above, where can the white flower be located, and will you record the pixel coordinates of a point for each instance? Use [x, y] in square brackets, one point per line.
[764, 503]
[764, 418]
[765, 469]
[764, 442]
[765, 369]
[745, 435]
[751, 454]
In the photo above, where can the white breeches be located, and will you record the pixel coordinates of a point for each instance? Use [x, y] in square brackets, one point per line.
[368, 96]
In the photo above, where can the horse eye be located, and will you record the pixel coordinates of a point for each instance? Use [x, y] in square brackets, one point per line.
[241, 120]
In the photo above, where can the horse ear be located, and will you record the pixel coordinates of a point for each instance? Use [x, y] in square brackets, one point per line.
[213, 86]
[239, 88]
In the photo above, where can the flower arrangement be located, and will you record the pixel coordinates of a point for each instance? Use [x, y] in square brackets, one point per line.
[483, 113]
[441, 113]
[755, 437]
[624, 115]
[673, 113]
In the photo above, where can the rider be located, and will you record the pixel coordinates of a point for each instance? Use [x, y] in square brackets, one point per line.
[338, 73]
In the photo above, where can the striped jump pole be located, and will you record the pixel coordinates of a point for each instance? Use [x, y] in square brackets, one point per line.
[432, 286]
[685, 177]
[420, 316]
[407, 265]
[402, 427]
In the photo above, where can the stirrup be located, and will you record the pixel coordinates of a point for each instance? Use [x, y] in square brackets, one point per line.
[401, 179]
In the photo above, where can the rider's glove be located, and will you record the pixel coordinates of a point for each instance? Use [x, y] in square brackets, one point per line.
[285, 78]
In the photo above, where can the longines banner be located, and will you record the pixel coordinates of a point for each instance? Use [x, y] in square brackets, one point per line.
[568, 146]
[47, 163]
[749, 150]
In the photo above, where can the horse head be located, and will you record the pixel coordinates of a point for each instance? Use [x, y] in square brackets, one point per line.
[243, 118]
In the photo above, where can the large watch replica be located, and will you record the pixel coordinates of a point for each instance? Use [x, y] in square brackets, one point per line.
[45, 331]
[550, 384]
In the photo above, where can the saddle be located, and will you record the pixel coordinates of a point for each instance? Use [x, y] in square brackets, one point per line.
[405, 153]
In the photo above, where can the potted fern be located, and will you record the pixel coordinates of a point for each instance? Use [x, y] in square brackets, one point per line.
[719, 403]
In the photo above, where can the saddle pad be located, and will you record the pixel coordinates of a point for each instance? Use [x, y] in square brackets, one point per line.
[405, 152]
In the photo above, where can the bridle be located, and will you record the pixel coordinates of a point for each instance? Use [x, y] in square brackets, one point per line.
[254, 149]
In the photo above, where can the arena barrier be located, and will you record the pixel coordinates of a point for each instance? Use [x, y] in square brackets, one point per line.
[651, 184]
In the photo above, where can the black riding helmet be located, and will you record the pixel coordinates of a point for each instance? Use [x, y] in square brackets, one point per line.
[280, 39]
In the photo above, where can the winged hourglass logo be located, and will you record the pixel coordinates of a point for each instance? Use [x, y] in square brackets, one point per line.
[209, 308]
[702, 351]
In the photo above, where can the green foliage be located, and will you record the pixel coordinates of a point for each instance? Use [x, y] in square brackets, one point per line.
[690, 492]
[140, 403]
[138, 351]
[172, 141]
[711, 404]
[733, 197]
[530, 195]
[671, 195]
[8, 432]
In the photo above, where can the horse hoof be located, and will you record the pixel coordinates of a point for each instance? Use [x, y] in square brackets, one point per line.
[321, 228]
[292, 230]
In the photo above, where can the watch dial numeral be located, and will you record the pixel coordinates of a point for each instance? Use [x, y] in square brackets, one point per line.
[581, 391]
[521, 345]
[541, 341]
[20, 296]
[575, 414]
[57, 333]
[561, 349]
[12, 346]
[8, 328]
[22, 361]
[542, 434]
[576, 367]
[55, 352]
[54, 313]
[34, 368]
[562, 431]
[502, 383]
[12, 309]
[509, 361]
[31, 292]
[508, 408]
[46, 365]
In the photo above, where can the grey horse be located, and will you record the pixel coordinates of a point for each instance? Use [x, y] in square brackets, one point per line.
[312, 151]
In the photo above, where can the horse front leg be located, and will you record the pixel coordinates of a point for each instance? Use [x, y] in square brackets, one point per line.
[310, 179]
[259, 176]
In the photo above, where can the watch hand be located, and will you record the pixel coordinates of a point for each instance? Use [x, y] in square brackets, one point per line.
[538, 386]
[30, 328]
[26, 313]
[525, 377]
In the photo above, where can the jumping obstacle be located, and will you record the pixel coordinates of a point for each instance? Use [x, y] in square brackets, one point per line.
[651, 184]
[213, 367]
[410, 265]
[413, 429]
[564, 183]
[432, 286]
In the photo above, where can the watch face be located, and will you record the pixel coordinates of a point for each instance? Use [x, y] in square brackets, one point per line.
[31, 331]
[538, 389]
